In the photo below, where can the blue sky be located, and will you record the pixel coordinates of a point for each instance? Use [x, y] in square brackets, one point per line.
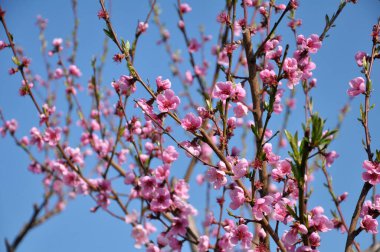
[76, 229]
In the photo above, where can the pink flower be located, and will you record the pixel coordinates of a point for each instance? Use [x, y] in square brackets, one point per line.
[181, 189]
[240, 169]
[241, 234]
[291, 237]
[162, 84]
[217, 177]
[161, 201]
[184, 8]
[142, 27]
[167, 101]
[162, 172]
[52, 136]
[262, 207]
[192, 148]
[194, 46]
[283, 168]
[315, 239]
[223, 90]
[237, 198]
[179, 226]
[57, 43]
[290, 65]
[140, 235]
[189, 77]
[35, 168]
[125, 85]
[319, 221]
[240, 110]
[270, 156]
[223, 18]
[74, 70]
[268, 77]
[330, 157]
[148, 186]
[311, 44]
[272, 49]
[169, 155]
[372, 173]
[191, 122]
[280, 212]
[238, 93]
[75, 155]
[369, 224]
[359, 57]
[358, 86]
[204, 243]
[129, 178]
[2, 45]
[36, 138]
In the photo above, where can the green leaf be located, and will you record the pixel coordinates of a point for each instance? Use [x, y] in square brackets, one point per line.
[16, 61]
[291, 212]
[108, 33]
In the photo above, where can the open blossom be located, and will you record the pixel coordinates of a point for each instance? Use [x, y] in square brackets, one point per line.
[240, 169]
[74, 70]
[268, 77]
[162, 172]
[179, 226]
[223, 18]
[311, 44]
[223, 90]
[291, 237]
[75, 155]
[216, 177]
[191, 122]
[140, 234]
[161, 201]
[293, 74]
[167, 101]
[191, 147]
[272, 49]
[169, 155]
[240, 110]
[369, 224]
[319, 221]
[357, 86]
[148, 186]
[181, 189]
[372, 173]
[241, 234]
[270, 156]
[204, 243]
[125, 85]
[283, 168]
[262, 207]
[237, 197]
[238, 93]
[163, 84]
[52, 136]
[36, 138]
[280, 212]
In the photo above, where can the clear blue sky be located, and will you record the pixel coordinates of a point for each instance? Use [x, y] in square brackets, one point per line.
[76, 229]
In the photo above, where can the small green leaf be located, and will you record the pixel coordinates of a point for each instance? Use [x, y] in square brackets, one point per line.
[16, 61]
